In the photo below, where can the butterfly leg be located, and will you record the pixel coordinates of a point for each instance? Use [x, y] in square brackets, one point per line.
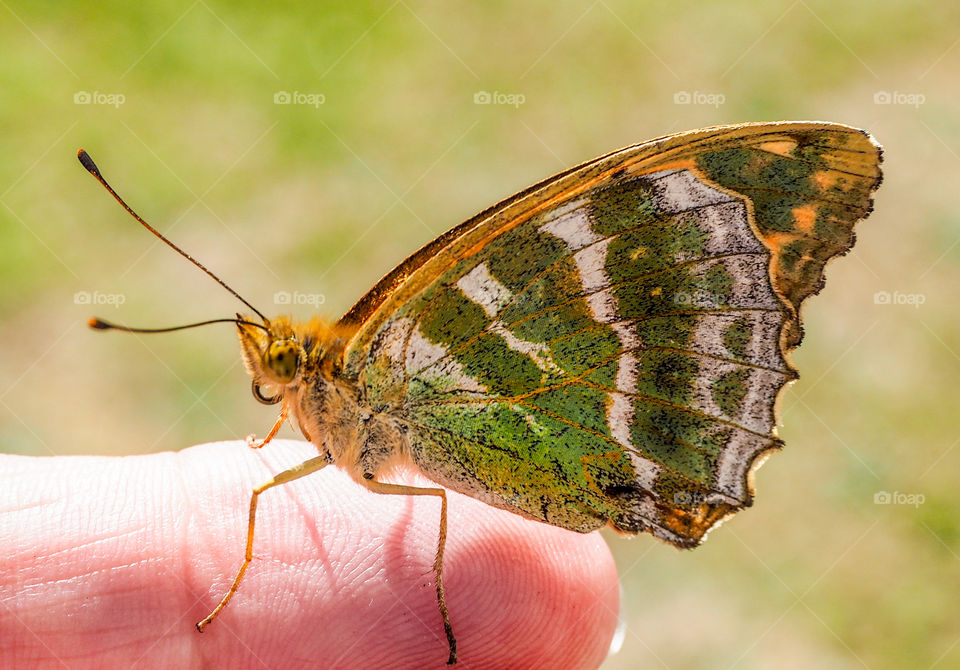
[252, 440]
[296, 472]
[399, 489]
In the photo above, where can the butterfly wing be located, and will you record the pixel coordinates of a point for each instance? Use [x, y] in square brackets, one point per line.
[608, 346]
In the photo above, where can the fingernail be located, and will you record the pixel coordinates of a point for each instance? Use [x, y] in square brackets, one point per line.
[621, 631]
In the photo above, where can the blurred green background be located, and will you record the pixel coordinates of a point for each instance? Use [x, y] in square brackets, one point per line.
[383, 147]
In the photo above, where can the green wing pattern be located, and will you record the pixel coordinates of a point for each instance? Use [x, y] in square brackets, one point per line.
[616, 357]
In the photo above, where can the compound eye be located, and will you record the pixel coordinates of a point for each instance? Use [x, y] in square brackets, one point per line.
[265, 399]
[282, 359]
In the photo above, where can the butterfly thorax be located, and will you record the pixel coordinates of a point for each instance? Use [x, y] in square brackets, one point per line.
[298, 365]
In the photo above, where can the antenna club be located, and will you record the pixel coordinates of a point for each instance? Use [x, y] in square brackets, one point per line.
[88, 163]
[98, 324]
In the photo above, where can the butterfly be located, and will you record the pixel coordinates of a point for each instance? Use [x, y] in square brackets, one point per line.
[604, 348]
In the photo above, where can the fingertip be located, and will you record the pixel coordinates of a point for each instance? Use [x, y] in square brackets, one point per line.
[342, 577]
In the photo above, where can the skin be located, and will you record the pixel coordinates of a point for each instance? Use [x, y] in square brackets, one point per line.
[109, 562]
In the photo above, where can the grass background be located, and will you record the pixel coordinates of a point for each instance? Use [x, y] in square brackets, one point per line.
[323, 200]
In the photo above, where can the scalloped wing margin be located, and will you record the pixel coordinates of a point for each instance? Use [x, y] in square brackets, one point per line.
[802, 186]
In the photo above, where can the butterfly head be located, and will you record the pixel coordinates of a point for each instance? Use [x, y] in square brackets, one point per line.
[274, 354]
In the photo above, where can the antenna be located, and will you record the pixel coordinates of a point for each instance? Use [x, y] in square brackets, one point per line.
[92, 168]
[99, 324]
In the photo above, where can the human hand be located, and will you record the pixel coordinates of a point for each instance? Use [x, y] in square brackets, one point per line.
[109, 562]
